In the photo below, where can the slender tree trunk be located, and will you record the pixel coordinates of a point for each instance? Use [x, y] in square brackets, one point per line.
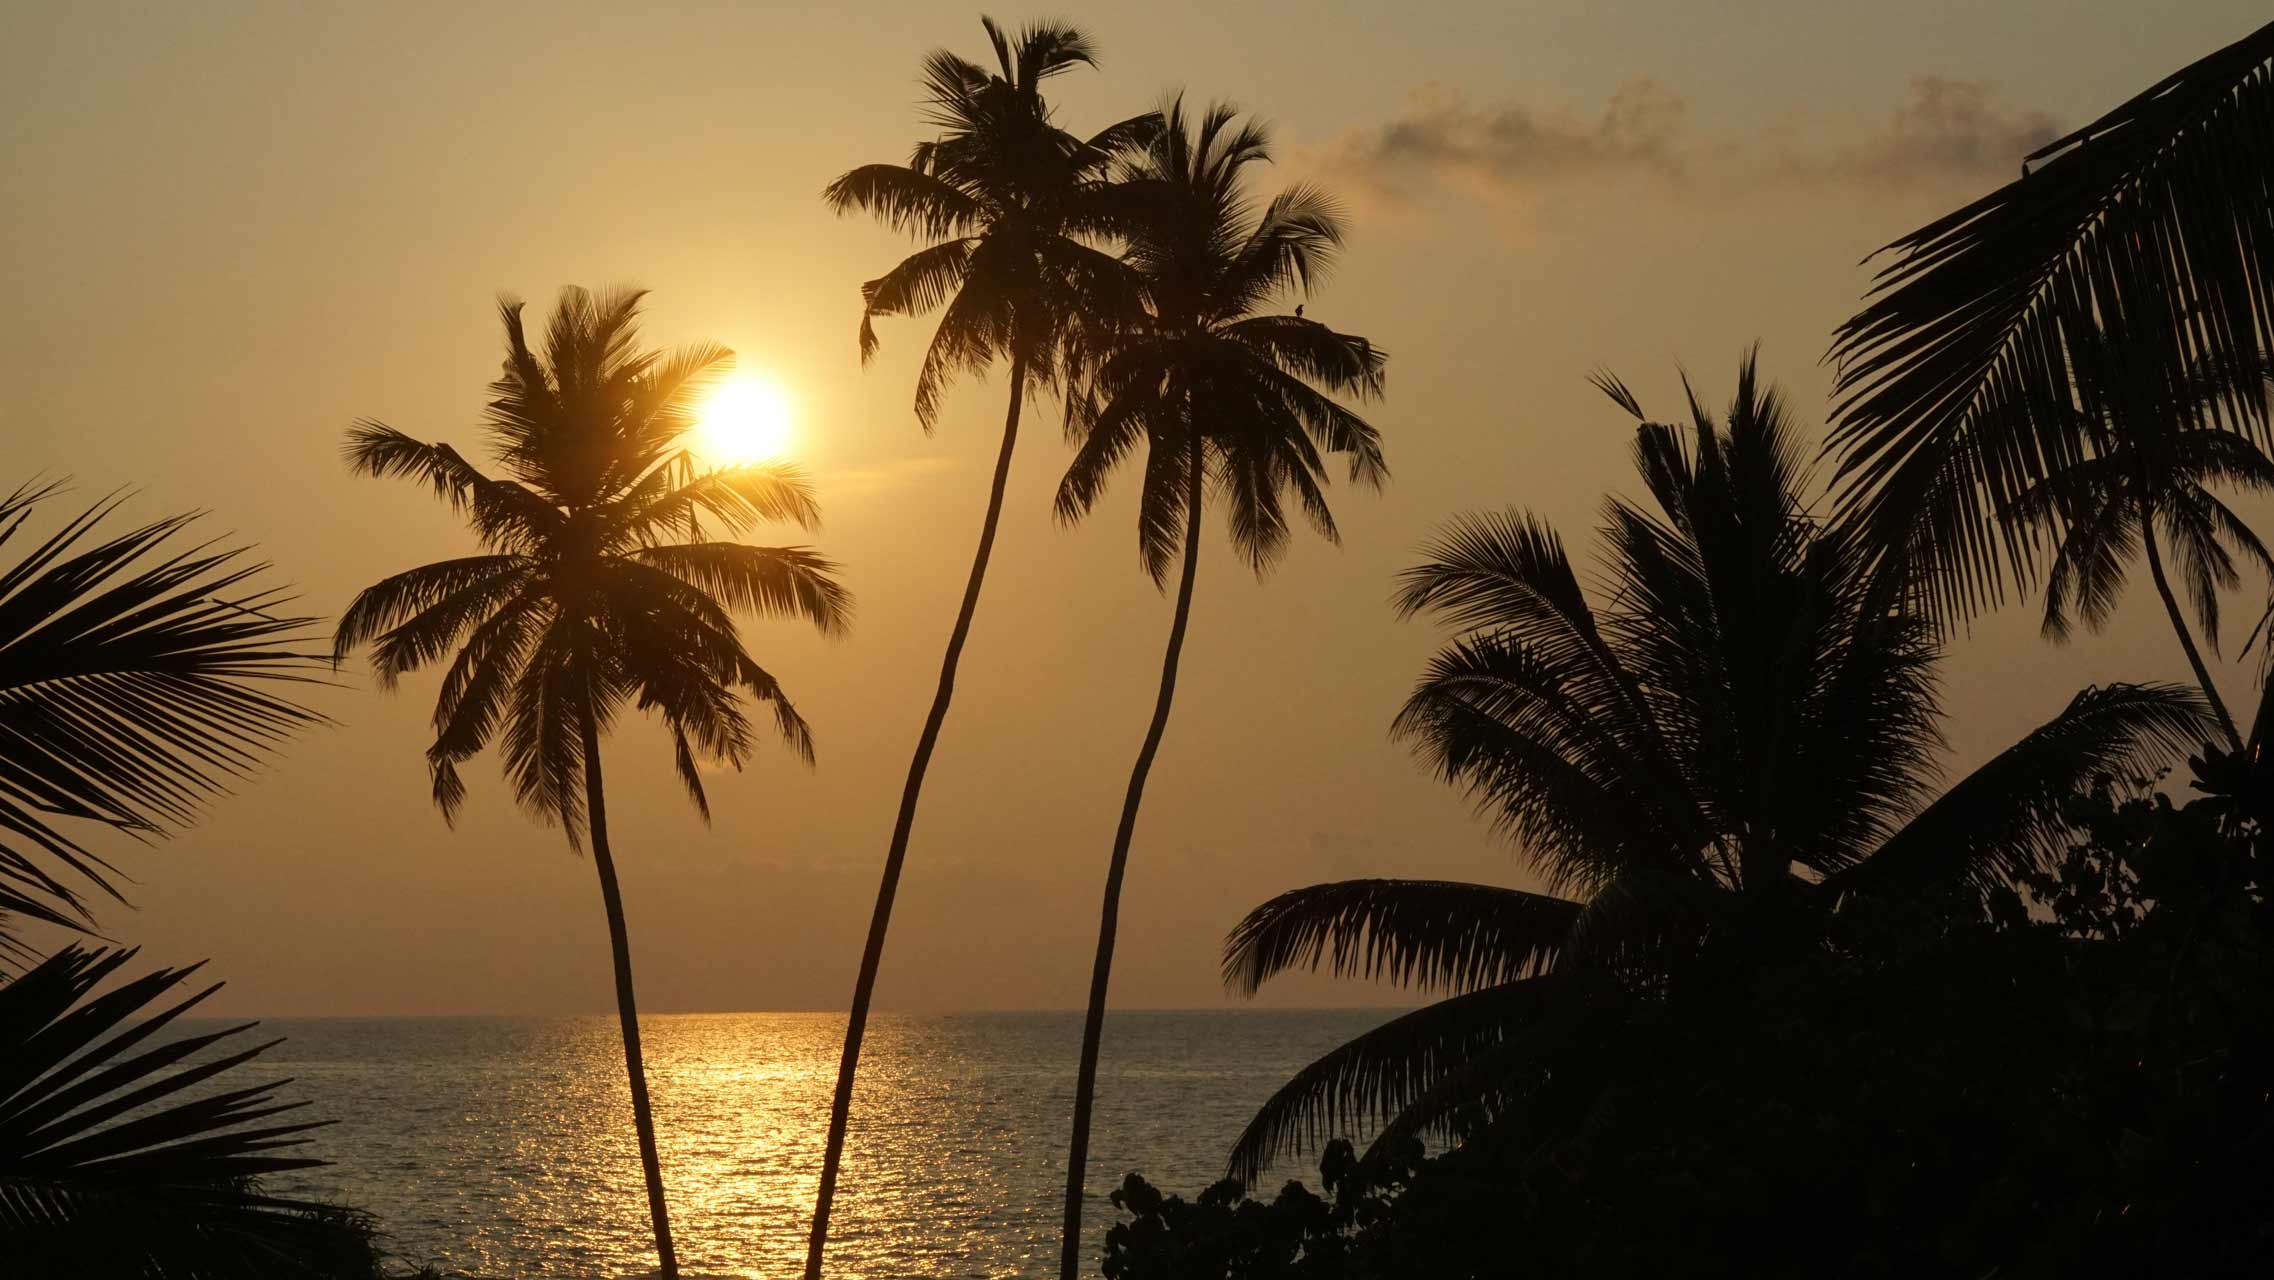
[1093, 1025]
[2179, 624]
[872, 954]
[627, 1009]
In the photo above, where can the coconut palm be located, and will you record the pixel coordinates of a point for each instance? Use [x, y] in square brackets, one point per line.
[1222, 395]
[1012, 203]
[597, 589]
[2150, 463]
[138, 675]
[1958, 386]
[1702, 769]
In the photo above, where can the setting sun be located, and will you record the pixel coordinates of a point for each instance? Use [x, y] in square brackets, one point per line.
[746, 420]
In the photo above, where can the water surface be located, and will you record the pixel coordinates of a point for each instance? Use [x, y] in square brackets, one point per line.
[502, 1147]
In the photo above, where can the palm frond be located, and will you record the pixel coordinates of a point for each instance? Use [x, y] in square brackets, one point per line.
[922, 283]
[1426, 934]
[506, 515]
[2147, 231]
[123, 1153]
[1379, 1074]
[770, 581]
[673, 502]
[2006, 817]
[139, 675]
[907, 200]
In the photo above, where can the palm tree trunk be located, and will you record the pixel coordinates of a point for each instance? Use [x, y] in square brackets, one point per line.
[872, 954]
[2179, 624]
[1093, 1025]
[627, 1009]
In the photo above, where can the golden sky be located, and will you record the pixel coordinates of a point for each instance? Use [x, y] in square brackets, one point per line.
[231, 228]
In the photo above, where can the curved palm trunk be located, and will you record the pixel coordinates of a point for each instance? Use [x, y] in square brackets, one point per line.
[872, 954]
[627, 1009]
[2179, 624]
[1093, 1025]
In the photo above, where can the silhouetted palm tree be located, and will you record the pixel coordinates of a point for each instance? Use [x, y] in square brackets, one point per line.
[120, 1157]
[1959, 387]
[134, 681]
[2149, 462]
[1740, 739]
[1219, 394]
[596, 590]
[1012, 200]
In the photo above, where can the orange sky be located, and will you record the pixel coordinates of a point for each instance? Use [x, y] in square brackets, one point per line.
[231, 229]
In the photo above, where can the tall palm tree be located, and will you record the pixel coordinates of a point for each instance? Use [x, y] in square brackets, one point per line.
[2150, 227]
[2146, 466]
[596, 589]
[138, 675]
[1013, 203]
[1220, 393]
[1741, 739]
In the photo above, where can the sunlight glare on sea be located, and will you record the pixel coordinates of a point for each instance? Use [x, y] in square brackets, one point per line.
[503, 1147]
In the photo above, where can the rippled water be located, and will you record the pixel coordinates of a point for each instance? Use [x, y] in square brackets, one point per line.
[502, 1147]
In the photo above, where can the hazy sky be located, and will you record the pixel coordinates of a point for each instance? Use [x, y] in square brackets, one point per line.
[231, 228]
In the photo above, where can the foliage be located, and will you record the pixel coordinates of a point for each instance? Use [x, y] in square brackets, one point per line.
[598, 589]
[125, 1153]
[2079, 1092]
[139, 674]
[1015, 206]
[1210, 383]
[1019, 209]
[1219, 394]
[598, 586]
[1741, 742]
[2144, 235]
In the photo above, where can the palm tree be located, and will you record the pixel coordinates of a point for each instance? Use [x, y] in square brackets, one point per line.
[596, 589]
[1222, 394]
[1011, 200]
[1705, 768]
[2148, 465]
[119, 1157]
[136, 678]
[1958, 387]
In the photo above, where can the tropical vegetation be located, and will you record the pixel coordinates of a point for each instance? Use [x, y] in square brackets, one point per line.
[1018, 208]
[1713, 766]
[1223, 395]
[1775, 996]
[2072, 1089]
[596, 590]
[140, 672]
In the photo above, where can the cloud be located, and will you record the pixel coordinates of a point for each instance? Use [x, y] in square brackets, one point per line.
[1945, 130]
[1955, 128]
[1441, 134]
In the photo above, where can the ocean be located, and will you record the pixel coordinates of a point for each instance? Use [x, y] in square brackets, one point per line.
[502, 1148]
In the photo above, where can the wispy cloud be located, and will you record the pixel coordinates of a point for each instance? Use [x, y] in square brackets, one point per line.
[1945, 130]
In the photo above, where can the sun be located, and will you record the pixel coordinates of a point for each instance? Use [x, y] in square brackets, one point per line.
[748, 419]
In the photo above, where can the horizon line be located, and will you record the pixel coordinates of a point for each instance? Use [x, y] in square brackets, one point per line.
[728, 1013]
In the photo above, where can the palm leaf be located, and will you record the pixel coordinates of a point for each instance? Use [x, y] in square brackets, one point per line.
[1427, 934]
[2006, 817]
[136, 678]
[1376, 1076]
[126, 1154]
[2149, 231]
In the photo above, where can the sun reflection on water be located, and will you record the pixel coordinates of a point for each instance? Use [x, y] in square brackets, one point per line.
[503, 1147]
